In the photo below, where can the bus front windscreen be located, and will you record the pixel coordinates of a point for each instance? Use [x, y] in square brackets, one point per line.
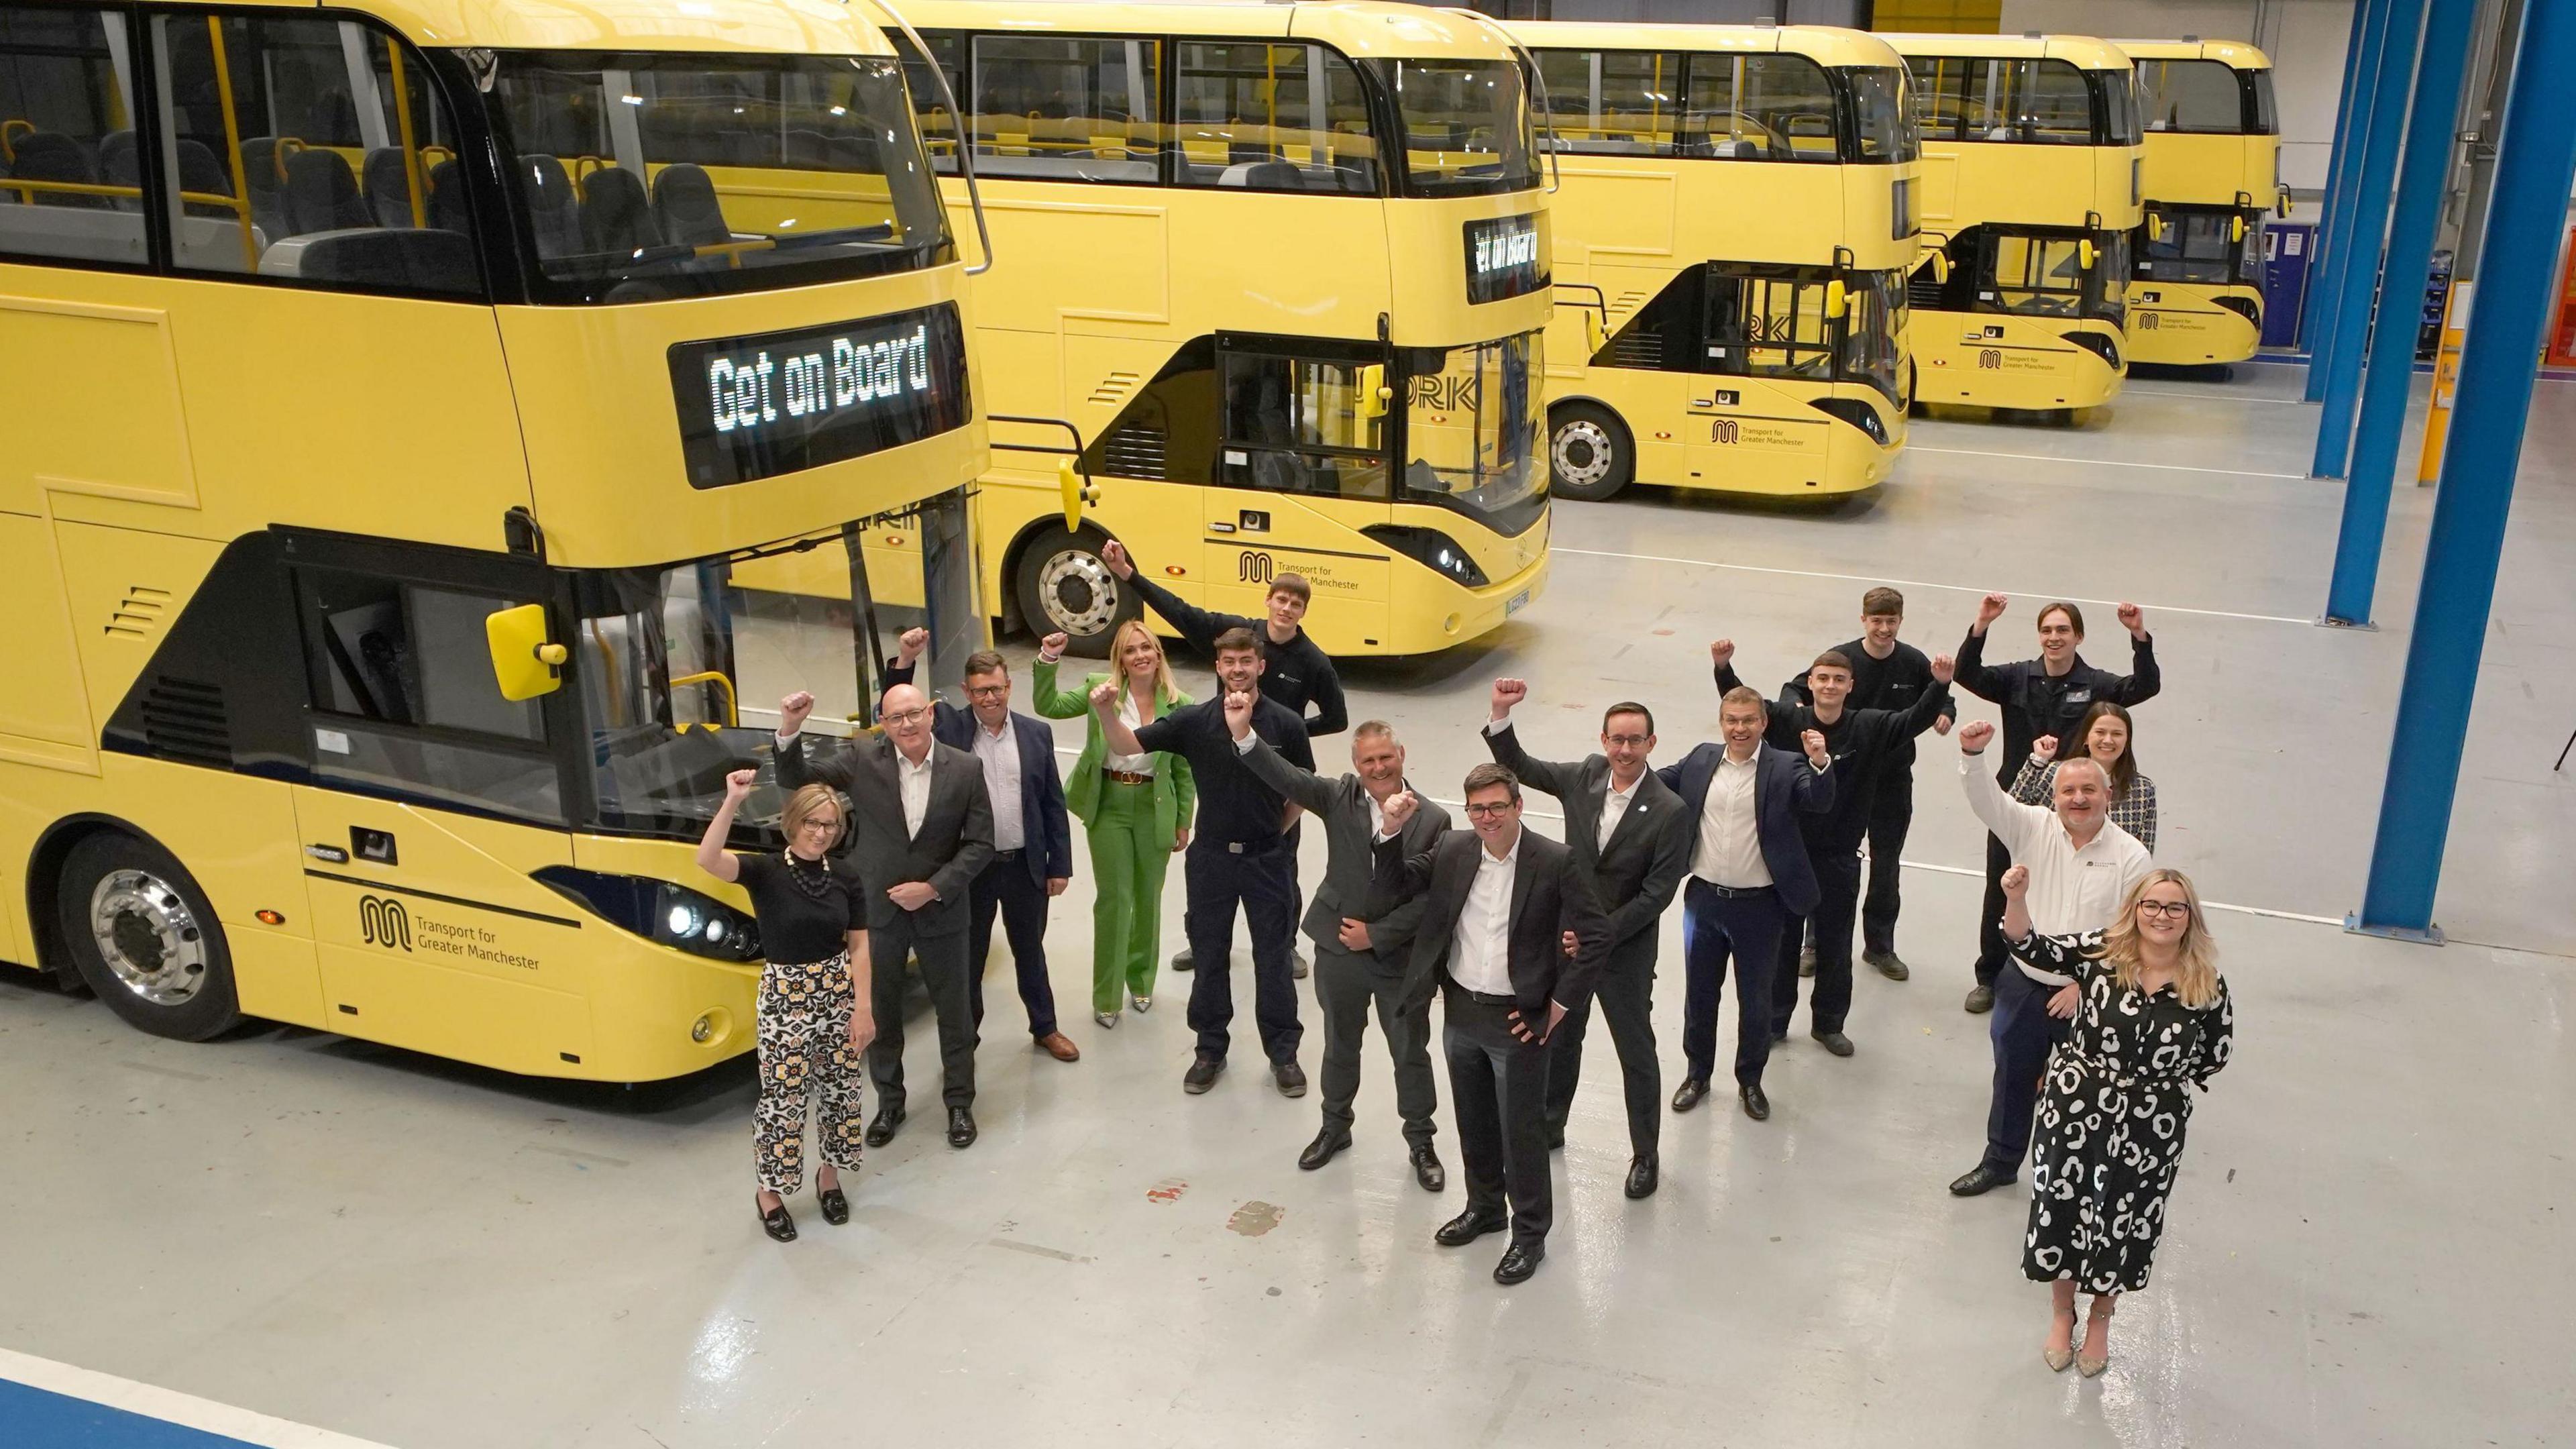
[1472, 432]
[1468, 128]
[652, 174]
[1883, 119]
[1872, 346]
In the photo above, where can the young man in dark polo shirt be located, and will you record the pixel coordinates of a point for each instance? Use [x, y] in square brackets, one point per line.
[1295, 672]
[1239, 854]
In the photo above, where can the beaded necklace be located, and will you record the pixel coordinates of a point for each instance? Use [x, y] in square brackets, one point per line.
[817, 886]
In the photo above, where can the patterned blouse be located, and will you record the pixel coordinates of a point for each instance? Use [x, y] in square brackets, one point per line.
[2134, 812]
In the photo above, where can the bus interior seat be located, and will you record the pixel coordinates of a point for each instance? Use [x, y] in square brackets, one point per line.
[553, 212]
[615, 216]
[428, 261]
[687, 208]
[446, 186]
[321, 193]
[388, 185]
[264, 176]
[119, 165]
[53, 156]
[1263, 175]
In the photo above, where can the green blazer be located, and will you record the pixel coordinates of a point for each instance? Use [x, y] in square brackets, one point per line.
[1176, 795]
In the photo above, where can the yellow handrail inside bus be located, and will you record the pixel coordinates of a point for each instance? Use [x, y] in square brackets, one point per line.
[402, 114]
[232, 142]
[9, 148]
[733, 710]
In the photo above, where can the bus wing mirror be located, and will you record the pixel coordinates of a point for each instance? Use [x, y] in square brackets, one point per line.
[2236, 228]
[2155, 227]
[2085, 253]
[1837, 299]
[1595, 335]
[1941, 267]
[1374, 394]
[524, 661]
[2284, 199]
[1076, 491]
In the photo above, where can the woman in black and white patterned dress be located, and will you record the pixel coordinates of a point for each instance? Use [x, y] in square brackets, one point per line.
[2151, 1022]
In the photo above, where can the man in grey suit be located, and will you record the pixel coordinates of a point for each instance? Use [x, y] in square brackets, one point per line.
[1632, 839]
[1358, 958]
[922, 829]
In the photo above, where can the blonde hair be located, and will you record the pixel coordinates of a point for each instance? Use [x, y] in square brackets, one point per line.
[802, 805]
[1163, 686]
[2196, 974]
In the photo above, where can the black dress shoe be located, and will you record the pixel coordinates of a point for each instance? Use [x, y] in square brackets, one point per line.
[1981, 999]
[1691, 1091]
[1202, 1074]
[1835, 1042]
[1290, 1077]
[1518, 1263]
[1979, 1179]
[1467, 1227]
[778, 1223]
[1428, 1171]
[1756, 1106]
[1556, 1137]
[961, 1127]
[1328, 1144]
[1779, 1034]
[836, 1208]
[1181, 959]
[888, 1121]
[1642, 1176]
[1889, 964]
[1297, 966]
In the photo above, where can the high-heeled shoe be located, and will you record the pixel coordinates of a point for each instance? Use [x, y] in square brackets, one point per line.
[1144, 1003]
[777, 1222]
[2058, 1358]
[2085, 1363]
[1104, 1019]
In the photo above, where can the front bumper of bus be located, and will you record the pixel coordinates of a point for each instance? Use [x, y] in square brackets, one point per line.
[2193, 326]
[1426, 613]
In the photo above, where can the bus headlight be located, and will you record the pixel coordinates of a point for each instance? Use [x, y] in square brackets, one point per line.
[660, 911]
[1855, 412]
[1432, 549]
[2097, 344]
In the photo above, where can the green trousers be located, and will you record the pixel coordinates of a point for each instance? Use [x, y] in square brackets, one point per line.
[1128, 859]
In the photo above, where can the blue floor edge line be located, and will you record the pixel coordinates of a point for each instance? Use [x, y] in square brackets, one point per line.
[34, 1418]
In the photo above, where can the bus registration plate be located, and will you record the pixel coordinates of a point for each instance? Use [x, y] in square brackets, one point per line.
[1513, 604]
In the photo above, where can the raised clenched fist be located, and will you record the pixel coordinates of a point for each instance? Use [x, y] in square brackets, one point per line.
[1238, 713]
[792, 711]
[1990, 608]
[1054, 645]
[1507, 693]
[1105, 696]
[1721, 652]
[2016, 881]
[2045, 747]
[1944, 668]
[1114, 554]
[2133, 619]
[1975, 735]
[909, 645]
[738, 784]
[1398, 809]
[1817, 754]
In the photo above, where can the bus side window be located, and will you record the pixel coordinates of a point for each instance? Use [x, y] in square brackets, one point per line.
[1260, 117]
[1761, 108]
[1767, 326]
[1941, 94]
[930, 112]
[69, 182]
[1295, 425]
[316, 151]
[404, 701]
[1614, 102]
[1054, 108]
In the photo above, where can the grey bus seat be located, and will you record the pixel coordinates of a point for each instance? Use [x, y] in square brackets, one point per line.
[118, 165]
[1270, 175]
[321, 194]
[687, 208]
[427, 261]
[446, 185]
[53, 156]
[615, 216]
[388, 184]
[264, 178]
[553, 212]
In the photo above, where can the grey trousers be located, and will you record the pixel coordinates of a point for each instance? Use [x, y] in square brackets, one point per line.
[1346, 984]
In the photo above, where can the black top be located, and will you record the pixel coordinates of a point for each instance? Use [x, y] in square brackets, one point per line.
[1295, 674]
[2037, 703]
[1895, 682]
[807, 916]
[1235, 806]
[1860, 741]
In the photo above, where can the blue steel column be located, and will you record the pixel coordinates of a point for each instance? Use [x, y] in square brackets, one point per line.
[2517, 271]
[2357, 280]
[2427, 172]
[2334, 217]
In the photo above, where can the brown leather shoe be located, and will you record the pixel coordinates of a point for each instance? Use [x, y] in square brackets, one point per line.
[1059, 1046]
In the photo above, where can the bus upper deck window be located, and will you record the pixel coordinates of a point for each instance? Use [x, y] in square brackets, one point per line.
[342, 145]
[2190, 96]
[1068, 108]
[1267, 117]
[68, 172]
[1614, 102]
[1760, 108]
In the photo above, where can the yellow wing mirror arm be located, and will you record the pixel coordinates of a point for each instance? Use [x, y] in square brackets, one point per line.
[525, 663]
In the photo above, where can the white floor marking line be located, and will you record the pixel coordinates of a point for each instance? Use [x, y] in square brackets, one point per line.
[1979, 874]
[2107, 463]
[169, 1405]
[1912, 583]
[2286, 402]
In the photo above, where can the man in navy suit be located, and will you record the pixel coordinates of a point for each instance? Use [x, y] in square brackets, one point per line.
[1032, 840]
[1749, 878]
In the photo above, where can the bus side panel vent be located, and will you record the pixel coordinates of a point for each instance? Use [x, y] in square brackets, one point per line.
[1638, 347]
[138, 613]
[1135, 450]
[1114, 389]
[185, 720]
[1923, 289]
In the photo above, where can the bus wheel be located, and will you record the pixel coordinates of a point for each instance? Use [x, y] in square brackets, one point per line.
[1588, 453]
[145, 939]
[1065, 587]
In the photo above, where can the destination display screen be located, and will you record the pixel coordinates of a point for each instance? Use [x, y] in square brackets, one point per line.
[755, 407]
[1506, 257]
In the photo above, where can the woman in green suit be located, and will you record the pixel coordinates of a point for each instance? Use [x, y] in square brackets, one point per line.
[1134, 808]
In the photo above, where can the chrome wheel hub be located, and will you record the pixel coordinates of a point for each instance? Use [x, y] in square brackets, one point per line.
[1078, 592]
[148, 937]
[1581, 453]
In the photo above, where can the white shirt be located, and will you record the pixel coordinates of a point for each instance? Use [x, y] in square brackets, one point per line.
[2072, 890]
[1480, 951]
[1614, 808]
[1134, 719]
[913, 783]
[999, 752]
[1729, 852]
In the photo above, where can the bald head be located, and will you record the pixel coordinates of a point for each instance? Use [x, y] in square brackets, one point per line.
[905, 712]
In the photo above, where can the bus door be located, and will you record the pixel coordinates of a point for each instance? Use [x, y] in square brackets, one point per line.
[433, 801]
[1767, 351]
[1301, 469]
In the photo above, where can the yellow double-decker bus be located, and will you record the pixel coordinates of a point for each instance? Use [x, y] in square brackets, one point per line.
[2213, 140]
[2031, 174]
[1732, 246]
[1285, 269]
[414, 379]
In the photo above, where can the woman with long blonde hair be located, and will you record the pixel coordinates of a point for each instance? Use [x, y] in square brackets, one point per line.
[2151, 1021]
[1135, 811]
